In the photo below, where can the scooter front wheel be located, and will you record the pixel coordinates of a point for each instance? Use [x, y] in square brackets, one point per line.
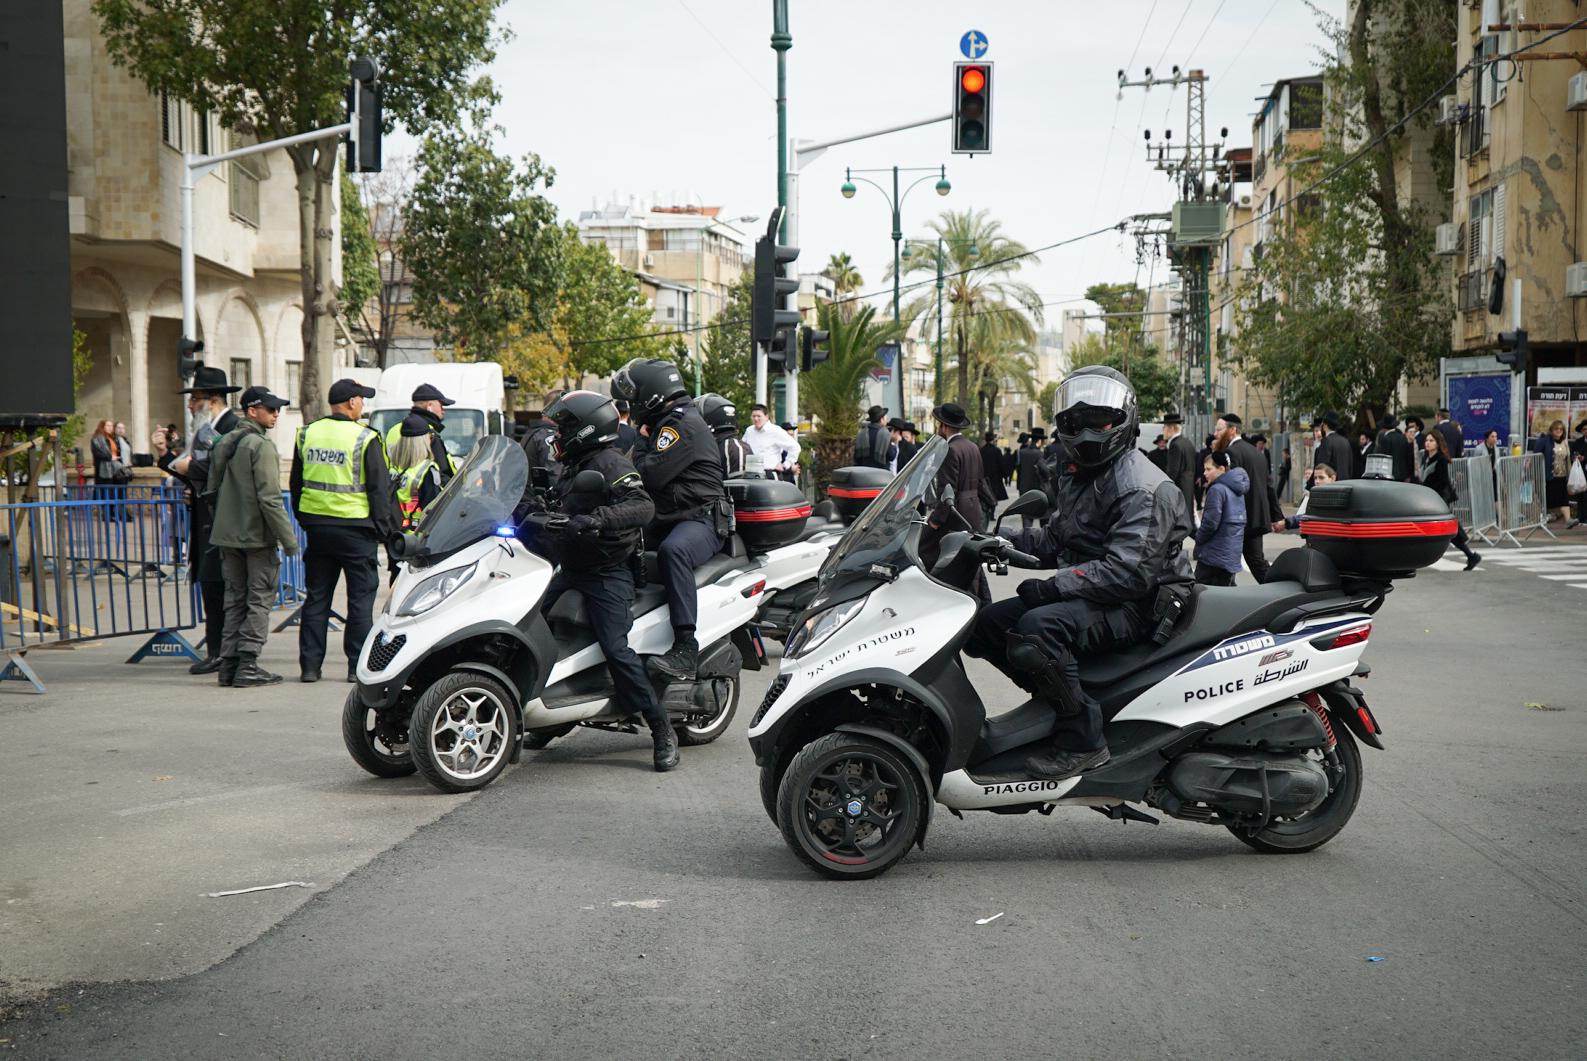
[463, 731]
[849, 806]
[376, 744]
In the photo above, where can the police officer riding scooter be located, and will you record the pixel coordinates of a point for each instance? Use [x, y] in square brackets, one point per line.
[682, 470]
[597, 547]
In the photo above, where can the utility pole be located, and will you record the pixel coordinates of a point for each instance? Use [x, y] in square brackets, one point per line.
[1196, 218]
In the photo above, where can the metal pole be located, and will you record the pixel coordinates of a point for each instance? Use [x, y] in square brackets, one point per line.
[189, 294]
[781, 41]
[898, 235]
[937, 388]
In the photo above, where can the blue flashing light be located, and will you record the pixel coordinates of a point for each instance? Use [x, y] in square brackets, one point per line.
[506, 530]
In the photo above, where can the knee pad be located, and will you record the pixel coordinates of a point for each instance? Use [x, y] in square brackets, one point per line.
[1048, 678]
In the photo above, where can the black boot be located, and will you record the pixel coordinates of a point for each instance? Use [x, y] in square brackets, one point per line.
[681, 660]
[208, 665]
[1058, 763]
[665, 743]
[249, 673]
[227, 671]
[1473, 558]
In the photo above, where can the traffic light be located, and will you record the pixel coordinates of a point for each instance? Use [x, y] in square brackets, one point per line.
[364, 111]
[812, 353]
[781, 349]
[187, 351]
[1514, 350]
[972, 108]
[774, 282]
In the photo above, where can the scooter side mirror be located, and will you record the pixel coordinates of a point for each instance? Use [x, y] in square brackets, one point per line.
[589, 481]
[1030, 503]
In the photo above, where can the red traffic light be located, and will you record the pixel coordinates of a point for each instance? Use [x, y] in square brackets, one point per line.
[973, 79]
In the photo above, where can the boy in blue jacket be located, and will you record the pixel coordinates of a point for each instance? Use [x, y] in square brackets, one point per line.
[1221, 536]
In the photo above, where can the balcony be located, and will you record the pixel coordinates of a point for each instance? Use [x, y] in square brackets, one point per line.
[1472, 291]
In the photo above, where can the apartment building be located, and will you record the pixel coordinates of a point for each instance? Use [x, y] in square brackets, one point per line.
[124, 155]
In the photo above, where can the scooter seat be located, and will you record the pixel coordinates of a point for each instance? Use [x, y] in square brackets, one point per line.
[572, 610]
[703, 575]
[1215, 612]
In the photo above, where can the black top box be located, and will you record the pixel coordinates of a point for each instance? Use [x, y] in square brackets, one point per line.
[853, 489]
[769, 512]
[1376, 527]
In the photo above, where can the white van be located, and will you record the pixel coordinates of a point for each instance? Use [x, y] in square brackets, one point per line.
[476, 387]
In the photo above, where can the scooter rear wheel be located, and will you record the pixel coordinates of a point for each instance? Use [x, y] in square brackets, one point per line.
[463, 731]
[849, 806]
[698, 731]
[1323, 822]
[382, 750]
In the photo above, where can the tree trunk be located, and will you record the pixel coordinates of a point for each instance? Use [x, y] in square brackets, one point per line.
[316, 173]
[964, 365]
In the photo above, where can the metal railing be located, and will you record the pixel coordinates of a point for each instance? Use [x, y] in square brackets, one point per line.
[1521, 497]
[1476, 502]
[1472, 291]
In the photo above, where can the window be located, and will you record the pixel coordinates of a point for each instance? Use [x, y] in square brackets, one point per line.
[1306, 105]
[242, 372]
[294, 380]
[184, 128]
[246, 173]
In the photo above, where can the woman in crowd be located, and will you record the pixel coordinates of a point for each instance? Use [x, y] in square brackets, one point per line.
[1556, 466]
[1221, 536]
[1435, 476]
[415, 477]
[1490, 449]
[112, 467]
[1321, 475]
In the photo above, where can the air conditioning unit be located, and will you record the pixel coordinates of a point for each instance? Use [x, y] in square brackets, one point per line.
[1576, 92]
[1258, 423]
[1244, 202]
[1576, 280]
[649, 261]
[1447, 239]
[1449, 110]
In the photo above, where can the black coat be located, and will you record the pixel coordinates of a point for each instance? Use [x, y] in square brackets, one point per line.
[623, 508]
[1261, 504]
[1183, 468]
[1338, 454]
[959, 486]
[992, 466]
[1027, 469]
[1454, 438]
[682, 467]
[1393, 444]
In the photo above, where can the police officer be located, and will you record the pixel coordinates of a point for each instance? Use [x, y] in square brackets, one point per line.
[212, 418]
[682, 472]
[429, 405]
[414, 474]
[1117, 534]
[341, 492]
[722, 418]
[597, 549]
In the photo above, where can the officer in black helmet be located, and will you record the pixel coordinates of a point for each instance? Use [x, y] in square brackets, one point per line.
[1117, 534]
[682, 470]
[596, 549]
[721, 416]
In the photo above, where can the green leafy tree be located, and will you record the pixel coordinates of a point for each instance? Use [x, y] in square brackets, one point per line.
[602, 320]
[1045, 399]
[279, 67]
[1155, 381]
[981, 267]
[1347, 299]
[1120, 298]
[833, 390]
[82, 363]
[485, 250]
[727, 351]
[360, 271]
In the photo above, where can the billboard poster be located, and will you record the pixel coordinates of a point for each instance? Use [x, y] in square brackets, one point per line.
[1578, 409]
[1481, 404]
[1544, 405]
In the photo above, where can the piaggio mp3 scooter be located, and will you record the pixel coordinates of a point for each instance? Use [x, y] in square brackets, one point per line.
[1245, 718]
[465, 666]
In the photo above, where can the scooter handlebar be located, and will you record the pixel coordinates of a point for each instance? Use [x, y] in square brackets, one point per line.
[1019, 559]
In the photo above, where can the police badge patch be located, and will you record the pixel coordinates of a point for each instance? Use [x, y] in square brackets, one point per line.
[664, 441]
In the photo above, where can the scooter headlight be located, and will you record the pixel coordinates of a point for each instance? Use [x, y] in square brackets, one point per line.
[435, 589]
[818, 628]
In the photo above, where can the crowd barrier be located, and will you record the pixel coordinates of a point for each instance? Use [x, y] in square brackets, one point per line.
[87, 562]
[1476, 502]
[1521, 497]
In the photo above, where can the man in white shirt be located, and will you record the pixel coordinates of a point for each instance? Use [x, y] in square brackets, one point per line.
[776, 448]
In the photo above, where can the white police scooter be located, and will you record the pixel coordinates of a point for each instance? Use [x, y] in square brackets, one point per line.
[464, 666]
[1245, 717]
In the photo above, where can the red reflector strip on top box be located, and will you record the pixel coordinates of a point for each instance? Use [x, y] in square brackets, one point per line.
[1434, 528]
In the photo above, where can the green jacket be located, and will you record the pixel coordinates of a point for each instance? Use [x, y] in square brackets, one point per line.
[244, 490]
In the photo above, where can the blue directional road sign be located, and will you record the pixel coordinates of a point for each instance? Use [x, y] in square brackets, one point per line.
[973, 44]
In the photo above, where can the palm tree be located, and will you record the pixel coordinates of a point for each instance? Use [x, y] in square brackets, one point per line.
[833, 390]
[845, 280]
[1002, 360]
[979, 266]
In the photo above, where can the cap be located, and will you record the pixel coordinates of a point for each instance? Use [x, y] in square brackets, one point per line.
[414, 426]
[345, 390]
[425, 392]
[261, 396]
[1230, 418]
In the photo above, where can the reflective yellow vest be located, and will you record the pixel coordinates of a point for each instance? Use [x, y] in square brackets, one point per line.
[408, 492]
[332, 452]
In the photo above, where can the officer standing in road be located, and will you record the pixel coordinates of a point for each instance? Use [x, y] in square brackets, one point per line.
[597, 550]
[429, 405]
[682, 471]
[341, 491]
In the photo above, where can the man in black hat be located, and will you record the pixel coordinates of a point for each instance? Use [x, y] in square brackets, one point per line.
[212, 418]
[908, 442]
[992, 475]
[960, 478]
[1334, 449]
[1261, 504]
[1182, 465]
[341, 492]
[429, 404]
[871, 445]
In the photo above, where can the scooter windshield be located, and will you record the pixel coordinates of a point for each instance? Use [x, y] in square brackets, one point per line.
[884, 532]
[476, 503]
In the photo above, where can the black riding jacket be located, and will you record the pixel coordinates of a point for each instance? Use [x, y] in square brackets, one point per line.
[1116, 532]
[623, 509]
[682, 465]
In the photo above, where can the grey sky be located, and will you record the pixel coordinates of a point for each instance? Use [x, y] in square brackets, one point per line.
[667, 96]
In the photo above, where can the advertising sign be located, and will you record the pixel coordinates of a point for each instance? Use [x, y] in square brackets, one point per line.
[1544, 405]
[1481, 404]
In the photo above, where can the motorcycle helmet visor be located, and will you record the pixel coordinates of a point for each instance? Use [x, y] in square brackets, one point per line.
[1096, 391]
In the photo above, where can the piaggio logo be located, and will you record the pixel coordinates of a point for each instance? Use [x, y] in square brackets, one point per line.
[1016, 787]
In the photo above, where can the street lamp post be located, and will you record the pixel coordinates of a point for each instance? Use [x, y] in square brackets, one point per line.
[896, 203]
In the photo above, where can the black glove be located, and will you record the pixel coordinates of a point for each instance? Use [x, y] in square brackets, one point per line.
[584, 524]
[1035, 592]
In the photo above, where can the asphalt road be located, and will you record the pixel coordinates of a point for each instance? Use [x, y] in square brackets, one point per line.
[587, 907]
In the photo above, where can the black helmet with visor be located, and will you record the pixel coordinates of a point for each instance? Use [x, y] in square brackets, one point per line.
[1096, 415]
[649, 385]
[584, 420]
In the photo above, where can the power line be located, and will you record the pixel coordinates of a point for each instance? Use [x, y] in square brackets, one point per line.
[727, 51]
[1208, 26]
[1259, 24]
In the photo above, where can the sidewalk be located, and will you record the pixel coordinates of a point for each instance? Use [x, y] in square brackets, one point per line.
[132, 791]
